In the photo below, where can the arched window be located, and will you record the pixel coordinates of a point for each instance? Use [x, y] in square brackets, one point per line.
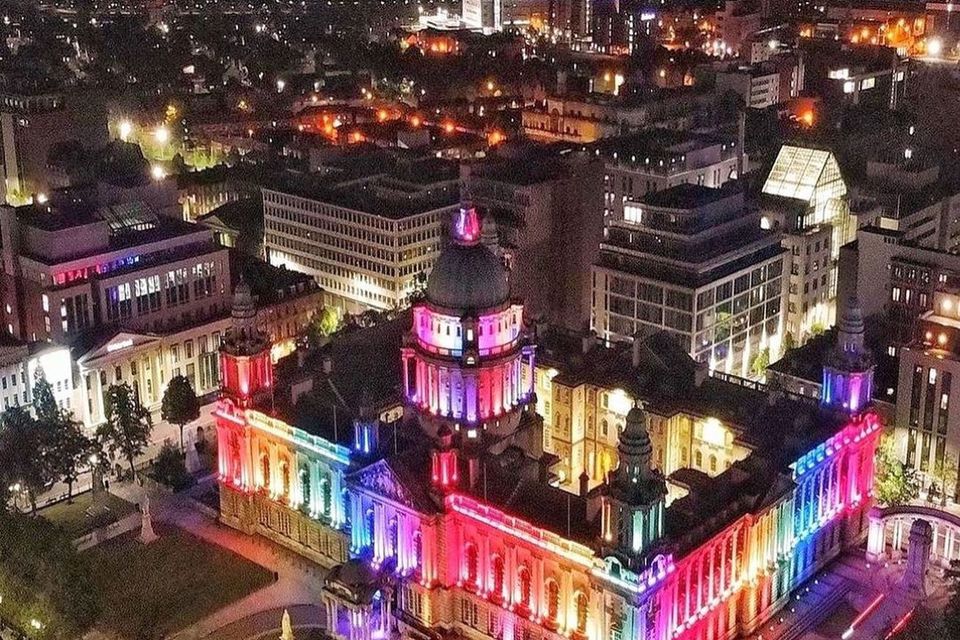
[417, 549]
[698, 458]
[553, 600]
[325, 496]
[523, 586]
[264, 469]
[305, 489]
[580, 600]
[497, 573]
[713, 464]
[285, 478]
[470, 564]
[394, 529]
[370, 525]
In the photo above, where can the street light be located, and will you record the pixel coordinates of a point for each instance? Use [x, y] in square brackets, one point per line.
[126, 128]
[162, 134]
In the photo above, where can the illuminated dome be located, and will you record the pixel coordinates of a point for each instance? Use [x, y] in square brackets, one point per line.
[467, 275]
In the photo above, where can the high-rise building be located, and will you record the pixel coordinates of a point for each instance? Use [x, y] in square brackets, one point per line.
[695, 262]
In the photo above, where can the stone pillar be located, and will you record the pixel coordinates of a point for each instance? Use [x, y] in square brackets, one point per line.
[918, 557]
[877, 537]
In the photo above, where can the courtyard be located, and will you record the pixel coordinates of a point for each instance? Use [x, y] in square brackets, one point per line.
[151, 591]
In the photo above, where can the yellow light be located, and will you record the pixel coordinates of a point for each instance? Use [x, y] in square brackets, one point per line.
[171, 111]
[125, 129]
[415, 121]
[41, 198]
[942, 339]
[714, 432]
[947, 304]
[807, 118]
[663, 73]
[620, 403]
[158, 172]
[490, 85]
[382, 115]
[162, 135]
[606, 77]
[449, 127]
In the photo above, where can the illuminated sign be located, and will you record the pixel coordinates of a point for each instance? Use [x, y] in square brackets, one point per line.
[117, 346]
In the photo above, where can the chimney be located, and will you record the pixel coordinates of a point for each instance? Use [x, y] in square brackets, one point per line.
[542, 469]
[635, 351]
[584, 484]
[301, 357]
[700, 373]
[327, 364]
[588, 341]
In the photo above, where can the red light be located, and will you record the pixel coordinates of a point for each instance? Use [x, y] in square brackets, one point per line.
[382, 115]
[495, 138]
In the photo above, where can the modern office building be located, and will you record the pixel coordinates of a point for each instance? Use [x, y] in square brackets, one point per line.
[365, 239]
[695, 262]
[447, 521]
[805, 195]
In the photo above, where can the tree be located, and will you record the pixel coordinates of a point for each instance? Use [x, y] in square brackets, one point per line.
[127, 429]
[71, 450]
[419, 290]
[760, 363]
[44, 404]
[169, 468]
[895, 482]
[180, 404]
[24, 460]
[324, 324]
[67, 448]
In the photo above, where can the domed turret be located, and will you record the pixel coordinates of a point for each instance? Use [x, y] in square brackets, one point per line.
[467, 275]
[636, 494]
[848, 369]
[635, 449]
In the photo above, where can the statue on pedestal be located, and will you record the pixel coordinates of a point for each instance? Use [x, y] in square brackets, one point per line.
[147, 534]
[286, 629]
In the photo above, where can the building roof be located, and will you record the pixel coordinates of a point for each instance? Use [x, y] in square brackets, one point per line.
[798, 170]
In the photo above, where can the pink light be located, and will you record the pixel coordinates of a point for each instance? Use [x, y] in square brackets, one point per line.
[467, 227]
[900, 624]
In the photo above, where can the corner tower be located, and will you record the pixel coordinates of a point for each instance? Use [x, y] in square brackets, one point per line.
[634, 496]
[245, 355]
[848, 369]
[466, 361]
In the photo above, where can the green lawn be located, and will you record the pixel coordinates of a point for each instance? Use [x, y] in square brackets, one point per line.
[152, 590]
[81, 516]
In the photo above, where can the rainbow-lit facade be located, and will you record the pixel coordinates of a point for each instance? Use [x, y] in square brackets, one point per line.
[425, 546]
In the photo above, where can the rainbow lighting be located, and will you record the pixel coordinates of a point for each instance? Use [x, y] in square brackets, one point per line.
[437, 556]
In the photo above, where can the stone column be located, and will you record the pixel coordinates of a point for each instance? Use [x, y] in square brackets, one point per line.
[877, 537]
[918, 558]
